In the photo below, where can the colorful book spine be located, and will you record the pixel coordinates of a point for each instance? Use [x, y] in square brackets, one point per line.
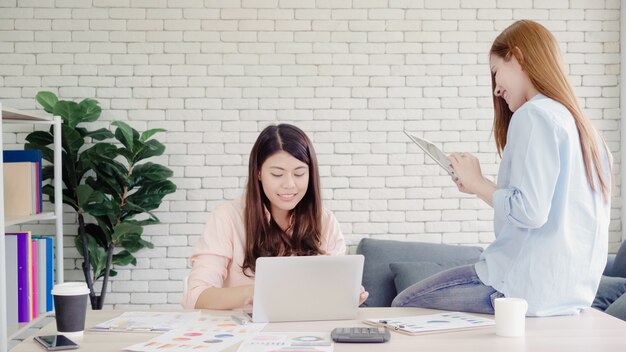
[34, 294]
[45, 272]
[23, 276]
[11, 267]
[41, 274]
[49, 273]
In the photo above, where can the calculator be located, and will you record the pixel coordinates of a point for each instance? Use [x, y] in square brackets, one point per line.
[360, 335]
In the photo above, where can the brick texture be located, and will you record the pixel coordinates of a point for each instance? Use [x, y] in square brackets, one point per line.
[352, 74]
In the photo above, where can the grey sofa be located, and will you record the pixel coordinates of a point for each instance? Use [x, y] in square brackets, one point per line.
[391, 266]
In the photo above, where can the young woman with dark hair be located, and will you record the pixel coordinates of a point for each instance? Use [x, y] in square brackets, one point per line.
[281, 214]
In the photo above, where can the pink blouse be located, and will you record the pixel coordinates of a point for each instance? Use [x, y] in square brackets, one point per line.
[219, 254]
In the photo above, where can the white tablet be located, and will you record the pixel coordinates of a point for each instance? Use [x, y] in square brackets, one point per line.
[432, 151]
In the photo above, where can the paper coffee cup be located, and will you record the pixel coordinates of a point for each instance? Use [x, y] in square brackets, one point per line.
[510, 316]
[70, 307]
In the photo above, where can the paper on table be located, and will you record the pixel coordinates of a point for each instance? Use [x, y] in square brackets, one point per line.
[214, 334]
[149, 321]
[432, 151]
[291, 341]
[433, 323]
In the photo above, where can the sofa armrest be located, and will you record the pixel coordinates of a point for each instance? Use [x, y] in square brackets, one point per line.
[608, 269]
[378, 279]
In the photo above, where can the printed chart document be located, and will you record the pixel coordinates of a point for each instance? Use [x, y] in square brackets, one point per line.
[288, 341]
[432, 151]
[150, 321]
[434, 323]
[208, 333]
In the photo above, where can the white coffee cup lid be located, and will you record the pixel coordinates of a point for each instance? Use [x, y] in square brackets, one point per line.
[70, 289]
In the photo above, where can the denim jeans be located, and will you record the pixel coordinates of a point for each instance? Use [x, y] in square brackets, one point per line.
[456, 289]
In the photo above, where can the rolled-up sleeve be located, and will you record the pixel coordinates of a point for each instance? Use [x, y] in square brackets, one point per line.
[212, 255]
[534, 170]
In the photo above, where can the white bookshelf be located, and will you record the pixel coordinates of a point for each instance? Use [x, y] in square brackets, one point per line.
[12, 116]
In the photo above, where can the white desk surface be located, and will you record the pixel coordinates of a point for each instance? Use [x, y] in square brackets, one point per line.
[591, 331]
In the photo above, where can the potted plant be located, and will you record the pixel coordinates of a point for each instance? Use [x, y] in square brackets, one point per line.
[109, 184]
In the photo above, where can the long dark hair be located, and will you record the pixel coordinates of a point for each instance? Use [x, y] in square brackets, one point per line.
[265, 238]
[541, 59]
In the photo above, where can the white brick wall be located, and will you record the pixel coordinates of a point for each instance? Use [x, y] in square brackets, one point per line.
[352, 74]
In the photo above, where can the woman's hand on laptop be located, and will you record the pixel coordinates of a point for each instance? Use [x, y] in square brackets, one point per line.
[363, 296]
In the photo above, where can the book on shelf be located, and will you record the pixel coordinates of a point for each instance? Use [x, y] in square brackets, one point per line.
[23, 275]
[31, 293]
[41, 275]
[11, 270]
[45, 277]
[34, 282]
[22, 183]
[18, 191]
[49, 273]
[33, 156]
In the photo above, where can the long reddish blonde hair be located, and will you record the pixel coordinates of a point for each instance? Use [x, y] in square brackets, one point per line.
[537, 51]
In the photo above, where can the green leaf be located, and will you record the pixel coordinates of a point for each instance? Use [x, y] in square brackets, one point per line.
[88, 197]
[123, 230]
[127, 154]
[150, 196]
[147, 244]
[150, 171]
[113, 175]
[97, 233]
[149, 149]
[47, 100]
[124, 258]
[124, 134]
[150, 221]
[132, 243]
[97, 255]
[100, 134]
[90, 110]
[104, 207]
[40, 138]
[70, 112]
[149, 133]
[72, 141]
[101, 150]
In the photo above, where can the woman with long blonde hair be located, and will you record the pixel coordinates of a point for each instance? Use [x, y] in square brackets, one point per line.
[552, 198]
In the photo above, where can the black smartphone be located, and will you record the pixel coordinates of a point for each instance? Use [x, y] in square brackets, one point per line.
[56, 342]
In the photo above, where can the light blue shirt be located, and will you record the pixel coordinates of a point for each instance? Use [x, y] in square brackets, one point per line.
[551, 228]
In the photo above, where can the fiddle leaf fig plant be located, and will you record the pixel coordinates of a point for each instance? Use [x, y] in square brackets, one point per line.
[108, 182]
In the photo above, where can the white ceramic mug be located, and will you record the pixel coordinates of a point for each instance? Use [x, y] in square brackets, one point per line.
[510, 316]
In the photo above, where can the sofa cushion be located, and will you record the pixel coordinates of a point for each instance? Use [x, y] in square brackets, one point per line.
[378, 278]
[408, 273]
[619, 265]
[618, 308]
[610, 289]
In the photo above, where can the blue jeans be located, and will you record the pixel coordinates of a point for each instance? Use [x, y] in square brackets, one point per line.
[456, 289]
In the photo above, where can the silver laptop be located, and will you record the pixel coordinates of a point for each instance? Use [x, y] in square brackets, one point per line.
[307, 288]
